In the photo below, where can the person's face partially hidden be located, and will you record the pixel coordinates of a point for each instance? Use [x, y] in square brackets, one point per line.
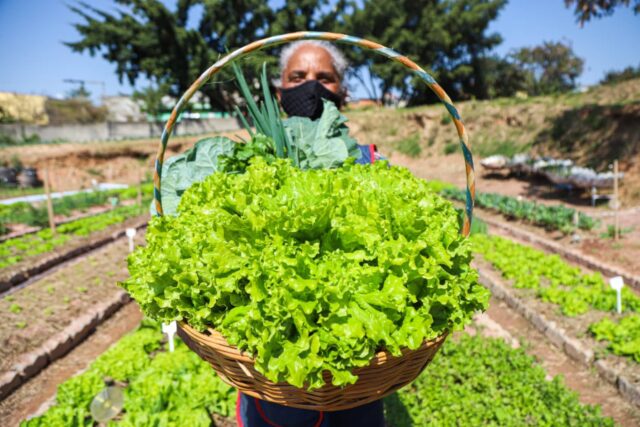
[310, 62]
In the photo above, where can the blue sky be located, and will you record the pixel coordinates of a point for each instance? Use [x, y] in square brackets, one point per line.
[34, 60]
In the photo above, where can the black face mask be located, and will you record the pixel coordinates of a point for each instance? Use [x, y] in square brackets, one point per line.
[305, 100]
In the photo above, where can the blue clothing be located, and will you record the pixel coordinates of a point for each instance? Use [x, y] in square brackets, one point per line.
[252, 412]
[368, 154]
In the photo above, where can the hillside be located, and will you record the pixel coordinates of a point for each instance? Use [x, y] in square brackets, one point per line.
[592, 128]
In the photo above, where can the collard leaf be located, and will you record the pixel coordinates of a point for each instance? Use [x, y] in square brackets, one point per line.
[323, 143]
[194, 165]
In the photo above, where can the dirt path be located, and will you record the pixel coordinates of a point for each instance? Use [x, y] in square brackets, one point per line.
[36, 395]
[36, 312]
[500, 321]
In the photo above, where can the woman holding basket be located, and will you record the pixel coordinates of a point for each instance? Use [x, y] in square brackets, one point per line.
[310, 72]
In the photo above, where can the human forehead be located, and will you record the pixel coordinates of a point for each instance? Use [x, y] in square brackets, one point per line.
[310, 57]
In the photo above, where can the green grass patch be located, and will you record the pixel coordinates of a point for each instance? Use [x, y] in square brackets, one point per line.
[410, 146]
[505, 148]
[451, 147]
[476, 381]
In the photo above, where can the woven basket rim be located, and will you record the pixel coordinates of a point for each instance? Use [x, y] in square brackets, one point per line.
[381, 356]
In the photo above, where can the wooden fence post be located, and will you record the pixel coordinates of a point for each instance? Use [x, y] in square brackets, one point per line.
[47, 189]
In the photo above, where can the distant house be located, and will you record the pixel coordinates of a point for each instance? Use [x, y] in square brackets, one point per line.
[123, 109]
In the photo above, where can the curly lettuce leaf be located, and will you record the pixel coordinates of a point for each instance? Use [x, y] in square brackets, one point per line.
[310, 271]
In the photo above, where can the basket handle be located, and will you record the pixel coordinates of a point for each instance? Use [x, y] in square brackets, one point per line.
[334, 37]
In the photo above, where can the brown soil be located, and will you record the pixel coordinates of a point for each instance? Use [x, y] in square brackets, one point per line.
[74, 166]
[34, 397]
[591, 388]
[33, 314]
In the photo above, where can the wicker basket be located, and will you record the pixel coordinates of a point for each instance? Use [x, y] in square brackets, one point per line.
[383, 376]
[386, 373]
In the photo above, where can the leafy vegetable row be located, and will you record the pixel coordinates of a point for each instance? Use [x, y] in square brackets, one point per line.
[575, 293]
[552, 217]
[472, 381]
[26, 213]
[310, 270]
[623, 336]
[161, 388]
[15, 250]
[477, 381]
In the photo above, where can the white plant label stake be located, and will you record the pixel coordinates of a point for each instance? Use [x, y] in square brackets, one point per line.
[131, 233]
[617, 284]
[170, 329]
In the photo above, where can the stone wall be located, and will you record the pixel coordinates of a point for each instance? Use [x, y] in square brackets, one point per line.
[116, 130]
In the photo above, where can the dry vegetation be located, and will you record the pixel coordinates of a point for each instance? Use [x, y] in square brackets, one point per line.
[592, 128]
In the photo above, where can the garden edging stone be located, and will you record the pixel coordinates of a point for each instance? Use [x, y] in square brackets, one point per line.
[59, 344]
[568, 253]
[570, 346]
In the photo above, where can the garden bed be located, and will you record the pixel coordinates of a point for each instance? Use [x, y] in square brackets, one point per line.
[567, 326]
[36, 313]
[75, 245]
[484, 379]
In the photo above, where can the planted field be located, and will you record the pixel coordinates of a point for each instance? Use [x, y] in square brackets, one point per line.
[478, 381]
[315, 270]
[557, 217]
[161, 388]
[474, 381]
[16, 250]
[33, 314]
[582, 304]
[36, 215]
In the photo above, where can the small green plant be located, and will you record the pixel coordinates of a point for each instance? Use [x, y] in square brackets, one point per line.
[50, 289]
[410, 146]
[95, 172]
[15, 308]
[451, 148]
[48, 311]
[478, 226]
[611, 232]
[21, 324]
[67, 300]
[81, 289]
[446, 119]
[505, 148]
[16, 163]
[9, 298]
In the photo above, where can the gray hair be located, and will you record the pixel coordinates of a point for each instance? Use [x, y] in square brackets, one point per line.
[337, 57]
